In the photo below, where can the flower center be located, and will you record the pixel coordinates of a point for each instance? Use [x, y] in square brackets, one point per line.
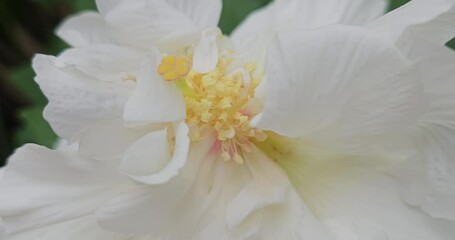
[217, 101]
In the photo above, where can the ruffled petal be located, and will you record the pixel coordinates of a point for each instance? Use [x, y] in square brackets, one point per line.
[81, 228]
[149, 159]
[102, 61]
[432, 20]
[288, 15]
[305, 14]
[105, 6]
[269, 189]
[355, 198]
[205, 13]
[76, 101]
[43, 187]
[109, 140]
[429, 176]
[339, 86]
[154, 100]
[152, 23]
[149, 210]
[213, 199]
[84, 29]
[254, 34]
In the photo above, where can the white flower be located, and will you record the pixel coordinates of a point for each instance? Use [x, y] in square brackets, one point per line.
[315, 122]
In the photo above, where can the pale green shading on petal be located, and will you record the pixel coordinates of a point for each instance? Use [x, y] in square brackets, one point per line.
[352, 193]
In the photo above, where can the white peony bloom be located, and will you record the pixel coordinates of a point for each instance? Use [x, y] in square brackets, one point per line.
[315, 120]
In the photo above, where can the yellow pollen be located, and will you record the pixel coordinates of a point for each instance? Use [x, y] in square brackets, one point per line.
[216, 100]
[173, 68]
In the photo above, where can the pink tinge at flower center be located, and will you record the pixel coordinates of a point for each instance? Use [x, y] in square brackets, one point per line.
[217, 101]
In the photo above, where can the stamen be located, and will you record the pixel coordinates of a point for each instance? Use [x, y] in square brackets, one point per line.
[216, 100]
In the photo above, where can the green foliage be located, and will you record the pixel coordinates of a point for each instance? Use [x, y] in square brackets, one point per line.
[76, 5]
[34, 128]
[234, 11]
[397, 3]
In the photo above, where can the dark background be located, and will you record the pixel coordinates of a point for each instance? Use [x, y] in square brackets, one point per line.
[26, 28]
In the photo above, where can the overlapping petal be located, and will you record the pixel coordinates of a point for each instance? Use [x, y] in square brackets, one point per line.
[76, 100]
[255, 33]
[43, 187]
[206, 52]
[105, 6]
[167, 24]
[109, 140]
[155, 23]
[432, 20]
[81, 228]
[297, 14]
[343, 83]
[85, 29]
[213, 199]
[134, 213]
[103, 61]
[355, 198]
[205, 13]
[153, 100]
[269, 206]
[150, 160]
[429, 175]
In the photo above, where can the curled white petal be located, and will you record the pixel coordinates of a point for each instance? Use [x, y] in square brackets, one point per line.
[149, 160]
[206, 52]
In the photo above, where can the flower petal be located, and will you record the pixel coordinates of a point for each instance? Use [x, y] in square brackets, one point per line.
[28, 200]
[81, 228]
[351, 193]
[295, 14]
[254, 34]
[206, 53]
[102, 61]
[345, 83]
[136, 213]
[149, 160]
[287, 15]
[109, 140]
[205, 13]
[2, 174]
[432, 20]
[154, 100]
[269, 187]
[76, 101]
[105, 6]
[152, 23]
[148, 210]
[84, 29]
[429, 176]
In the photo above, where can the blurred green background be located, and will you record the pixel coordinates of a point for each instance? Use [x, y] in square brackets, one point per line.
[26, 28]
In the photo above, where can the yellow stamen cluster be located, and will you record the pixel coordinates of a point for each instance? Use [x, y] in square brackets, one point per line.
[216, 100]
